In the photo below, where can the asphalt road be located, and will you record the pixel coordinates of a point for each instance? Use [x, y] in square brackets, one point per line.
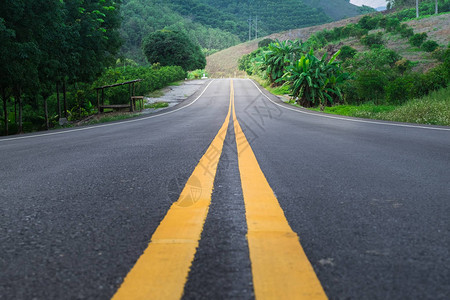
[369, 200]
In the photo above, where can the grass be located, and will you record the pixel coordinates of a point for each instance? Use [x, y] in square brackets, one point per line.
[105, 119]
[433, 109]
[357, 111]
[156, 94]
[157, 105]
[278, 90]
[176, 83]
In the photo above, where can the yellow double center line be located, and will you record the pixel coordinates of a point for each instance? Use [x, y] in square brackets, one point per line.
[280, 267]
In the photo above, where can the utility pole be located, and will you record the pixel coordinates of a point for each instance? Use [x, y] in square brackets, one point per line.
[250, 28]
[256, 28]
[417, 8]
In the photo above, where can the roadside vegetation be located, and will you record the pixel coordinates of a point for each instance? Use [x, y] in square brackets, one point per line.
[433, 109]
[351, 70]
[50, 65]
[157, 105]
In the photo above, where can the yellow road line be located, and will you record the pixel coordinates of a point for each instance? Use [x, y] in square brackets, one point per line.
[280, 267]
[162, 270]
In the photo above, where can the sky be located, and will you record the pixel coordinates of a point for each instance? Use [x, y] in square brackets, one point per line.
[372, 3]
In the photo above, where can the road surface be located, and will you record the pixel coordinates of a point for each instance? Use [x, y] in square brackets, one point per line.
[230, 195]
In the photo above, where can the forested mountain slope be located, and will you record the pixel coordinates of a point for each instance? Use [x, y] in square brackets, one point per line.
[339, 9]
[219, 24]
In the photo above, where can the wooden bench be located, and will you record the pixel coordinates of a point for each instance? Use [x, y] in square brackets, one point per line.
[133, 98]
[115, 106]
[132, 106]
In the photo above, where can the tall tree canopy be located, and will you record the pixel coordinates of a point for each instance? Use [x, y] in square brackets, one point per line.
[173, 48]
[43, 42]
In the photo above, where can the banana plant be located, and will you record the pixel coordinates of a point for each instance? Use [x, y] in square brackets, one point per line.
[278, 58]
[315, 81]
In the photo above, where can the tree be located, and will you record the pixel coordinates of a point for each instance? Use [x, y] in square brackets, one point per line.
[6, 38]
[43, 42]
[173, 48]
[316, 81]
[279, 56]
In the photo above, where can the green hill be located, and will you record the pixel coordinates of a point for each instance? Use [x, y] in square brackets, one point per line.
[219, 24]
[339, 9]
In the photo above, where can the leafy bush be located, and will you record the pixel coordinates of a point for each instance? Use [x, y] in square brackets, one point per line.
[382, 22]
[154, 78]
[370, 85]
[173, 48]
[392, 24]
[376, 59]
[372, 39]
[402, 88]
[405, 31]
[435, 79]
[316, 81]
[417, 85]
[441, 54]
[403, 65]
[330, 35]
[316, 41]
[197, 74]
[418, 39]
[279, 56]
[368, 22]
[247, 62]
[430, 46]
[347, 52]
[338, 33]
[265, 42]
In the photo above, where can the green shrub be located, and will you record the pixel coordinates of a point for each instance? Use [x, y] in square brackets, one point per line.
[349, 93]
[278, 57]
[435, 79]
[154, 78]
[370, 85]
[402, 88]
[338, 33]
[382, 22]
[265, 42]
[316, 41]
[247, 62]
[441, 54]
[316, 81]
[197, 74]
[417, 85]
[418, 39]
[173, 48]
[376, 59]
[405, 31]
[368, 22]
[403, 65]
[392, 24]
[329, 35]
[430, 46]
[372, 39]
[347, 52]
